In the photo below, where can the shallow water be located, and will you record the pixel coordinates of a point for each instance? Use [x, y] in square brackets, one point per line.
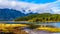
[55, 33]
[35, 31]
[38, 32]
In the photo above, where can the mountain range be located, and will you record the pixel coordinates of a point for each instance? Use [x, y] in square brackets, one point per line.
[10, 14]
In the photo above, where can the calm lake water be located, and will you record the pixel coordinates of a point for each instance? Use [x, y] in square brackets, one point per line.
[11, 22]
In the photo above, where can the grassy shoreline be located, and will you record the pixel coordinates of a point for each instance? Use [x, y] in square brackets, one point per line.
[7, 27]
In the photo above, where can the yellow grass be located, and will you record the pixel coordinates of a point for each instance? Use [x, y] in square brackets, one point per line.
[6, 27]
[49, 29]
[12, 25]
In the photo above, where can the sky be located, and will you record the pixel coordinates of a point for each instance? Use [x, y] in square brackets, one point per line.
[38, 1]
[35, 6]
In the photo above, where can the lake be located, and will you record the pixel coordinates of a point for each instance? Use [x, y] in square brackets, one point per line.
[30, 31]
[12, 22]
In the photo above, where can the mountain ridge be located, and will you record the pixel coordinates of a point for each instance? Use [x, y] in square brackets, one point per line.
[10, 14]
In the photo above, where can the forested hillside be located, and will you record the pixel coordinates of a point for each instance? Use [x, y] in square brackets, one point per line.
[43, 17]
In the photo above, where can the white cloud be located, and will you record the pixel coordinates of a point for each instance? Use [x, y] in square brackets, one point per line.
[35, 8]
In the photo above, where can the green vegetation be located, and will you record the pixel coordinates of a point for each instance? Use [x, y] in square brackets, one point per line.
[43, 17]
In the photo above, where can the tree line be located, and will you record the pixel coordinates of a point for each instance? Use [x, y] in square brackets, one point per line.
[43, 17]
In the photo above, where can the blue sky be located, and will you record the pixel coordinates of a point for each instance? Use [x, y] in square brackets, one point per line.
[38, 1]
[36, 6]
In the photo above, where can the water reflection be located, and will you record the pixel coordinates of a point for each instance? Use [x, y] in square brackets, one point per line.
[57, 24]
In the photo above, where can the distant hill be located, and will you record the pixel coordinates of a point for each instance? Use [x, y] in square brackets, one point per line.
[43, 17]
[10, 14]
